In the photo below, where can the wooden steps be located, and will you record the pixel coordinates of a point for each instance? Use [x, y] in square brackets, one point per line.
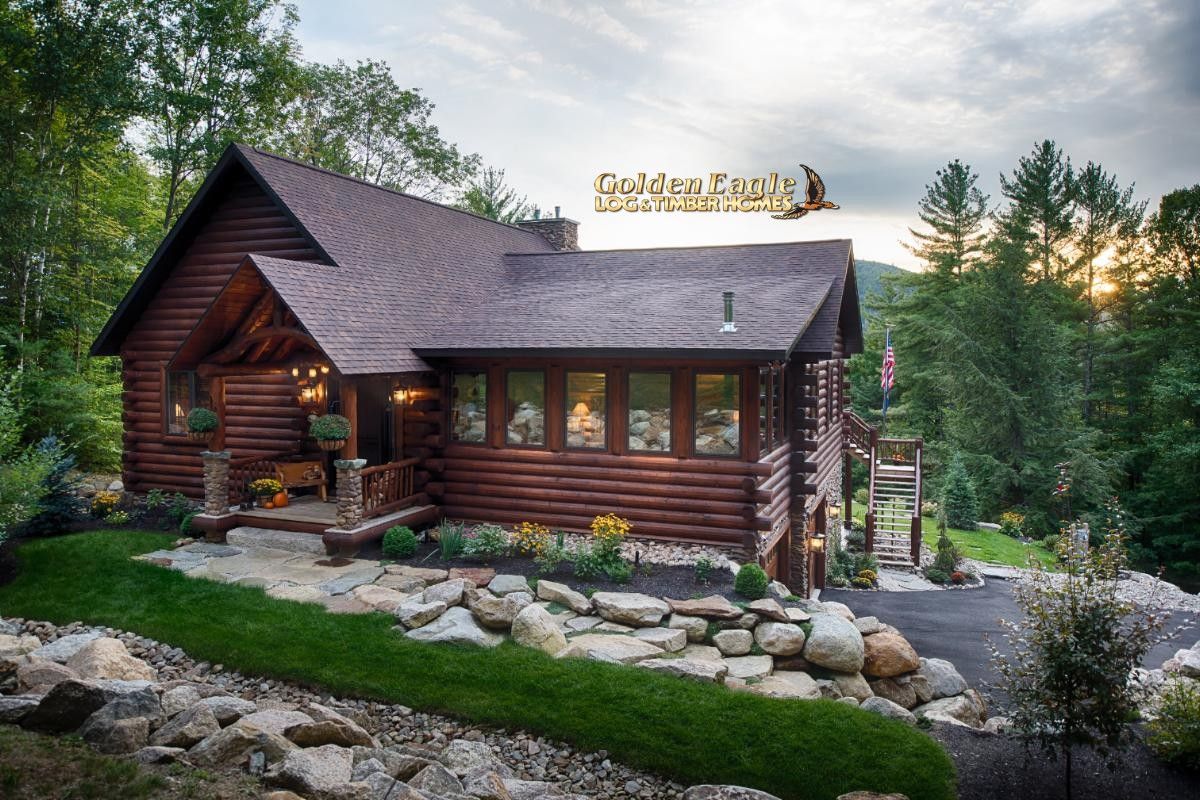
[894, 498]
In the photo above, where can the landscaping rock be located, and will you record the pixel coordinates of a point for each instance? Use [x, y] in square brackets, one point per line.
[534, 790]
[405, 584]
[887, 654]
[426, 574]
[630, 608]
[274, 721]
[158, 755]
[835, 644]
[750, 667]
[449, 592]
[232, 745]
[713, 792]
[462, 757]
[840, 609]
[436, 780]
[364, 769]
[485, 784]
[612, 627]
[615, 649]
[966, 709]
[108, 658]
[1188, 662]
[341, 733]
[17, 646]
[853, 685]
[779, 638]
[414, 613]
[15, 708]
[733, 643]
[564, 595]
[508, 584]
[902, 694]
[534, 627]
[797, 614]
[701, 652]
[745, 622]
[187, 728]
[480, 576]
[695, 628]
[379, 598]
[124, 723]
[712, 607]
[456, 625]
[943, 678]
[298, 594]
[63, 648]
[669, 639]
[228, 710]
[40, 674]
[495, 612]
[868, 625]
[399, 765]
[797, 685]
[887, 708]
[178, 699]
[768, 608]
[317, 770]
[349, 581]
[921, 688]
[66, 706]
[701, 670]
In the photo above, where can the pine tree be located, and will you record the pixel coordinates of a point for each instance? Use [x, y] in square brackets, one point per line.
[1041, 191]
[955, 208]
[958, 497]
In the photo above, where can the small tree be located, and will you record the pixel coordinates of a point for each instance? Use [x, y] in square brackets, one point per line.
[958, 497]
[1068, 676]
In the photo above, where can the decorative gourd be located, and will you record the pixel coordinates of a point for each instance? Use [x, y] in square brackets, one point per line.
[280, 500]
[268, 504]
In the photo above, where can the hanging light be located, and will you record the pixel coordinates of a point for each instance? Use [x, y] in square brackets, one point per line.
[817, 542]
[295, 372]
[324, 369]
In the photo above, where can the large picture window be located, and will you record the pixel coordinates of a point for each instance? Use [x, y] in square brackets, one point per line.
[185, 391]
[526, 407]
[718, 414]
[468, 409]
[650, 411]
[587, 410]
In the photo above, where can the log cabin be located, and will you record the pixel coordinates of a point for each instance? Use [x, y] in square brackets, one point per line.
[490, 372]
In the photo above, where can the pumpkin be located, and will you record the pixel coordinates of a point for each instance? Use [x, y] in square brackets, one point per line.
[281, 500]
[268, 504]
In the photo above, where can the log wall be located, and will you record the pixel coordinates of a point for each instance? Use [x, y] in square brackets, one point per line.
[261, 413]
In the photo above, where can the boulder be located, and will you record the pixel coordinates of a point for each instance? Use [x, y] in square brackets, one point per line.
[797, 614]
[865, 795]
[750, 667]
[108, 658]
[363, 769]
[997, 725]
[943, 678]
[564, 595]
[700, 670]
[187, 728]
[701, 652]
[793, 663]
[733, 643]
[887, 708]
[868, 625]
[712, 607]
[404, 584]
[966, 709]
[508, 584]
[228, 710]
[379, 598]
[314, 771]
[695, 628]
[902, 694]
[746, 622]
[779, 638]
[274, 721]
[534, 627]
[179, 698]
[17, 646]
[462, 757]
[66, 706]
[921, 687]
[63, 648]
[534, 790]
[779, 591]
[840, 609]
[797, 685]
[612, 648]
[351, 716]
[486, 784]
[457, 625]
[830, 690]
[449, 592]
[124, 723]
[425, 574]
[158, 755]
[480, 576]
[41, 674]
[834, 643]
[669, 639]
[436, 780]
[714, 792]
[888, 654]
[495, 612]
[768, 608]
[399, 765]
[414, 613]
[630, 608]
[14, 708]
[342, 733]
[1189, 663]
[853, 685]
[231, 746]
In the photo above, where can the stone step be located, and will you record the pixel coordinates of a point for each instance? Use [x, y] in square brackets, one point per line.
[246, 536]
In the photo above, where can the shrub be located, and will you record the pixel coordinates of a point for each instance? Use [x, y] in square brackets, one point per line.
[1010, 524]
[751, 582]
[861, 583]
[869, 575]
[179, 508]
[550, 557]
[704, 568]
[530, 538]
[265, 487]
[929, 508]
[958, 578]
[947, 556]
[610, 531]
[331, 427]
[117, 518]
[958, 499]
[935, 575]
[155, 499]
[618, 571]
[185, 524]
[1175, 731]
[857, 535]
[399, 542]
[486, 541]
[587, 563]
[862, 496]
[864, 562]
[1051, 542]
[60, 504]
[451, 540]
[104, 503]
[202, 420]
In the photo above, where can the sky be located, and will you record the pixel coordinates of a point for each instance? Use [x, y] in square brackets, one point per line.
[874, 96]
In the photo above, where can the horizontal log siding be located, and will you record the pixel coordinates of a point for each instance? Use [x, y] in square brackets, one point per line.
[261, 412]
[826, 395]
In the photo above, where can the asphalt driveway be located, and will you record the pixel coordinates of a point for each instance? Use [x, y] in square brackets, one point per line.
[953, 624]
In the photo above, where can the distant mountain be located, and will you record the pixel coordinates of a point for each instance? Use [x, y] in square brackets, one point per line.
[869, 273]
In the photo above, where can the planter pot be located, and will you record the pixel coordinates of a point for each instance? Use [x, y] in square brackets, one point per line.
[200, 436]
[331, 444]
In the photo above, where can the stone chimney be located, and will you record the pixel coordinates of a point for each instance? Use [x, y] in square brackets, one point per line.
[560, 232]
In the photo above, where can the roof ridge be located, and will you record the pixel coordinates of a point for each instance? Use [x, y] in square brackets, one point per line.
[368, 184]
[680, 247]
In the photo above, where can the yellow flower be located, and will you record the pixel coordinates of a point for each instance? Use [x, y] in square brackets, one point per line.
[530, 538]
[610, 530]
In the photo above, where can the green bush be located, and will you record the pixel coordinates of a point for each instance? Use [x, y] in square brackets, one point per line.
[860, 582]
[947, 556]
[587, 563]
[958, 500]
[704, 568]
[936, 575]
[202, 420]
[486, 541]
[1051, 542]
[751, 582]
[1175, 732]
[399, 542]
[550, 557]
[862, 497]
[451, 540]
[863, 562]
[60, 504]
[856, 537]
[618, 571]
[330, 427]
[185, 524]
[1011, 523]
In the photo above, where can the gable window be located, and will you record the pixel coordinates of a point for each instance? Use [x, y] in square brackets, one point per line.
[468, 406]
[650, 411]
[587, 410]
[185, 391]
[718, 419]
[526, 407]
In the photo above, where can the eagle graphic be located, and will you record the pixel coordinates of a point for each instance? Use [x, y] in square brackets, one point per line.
[815, 200]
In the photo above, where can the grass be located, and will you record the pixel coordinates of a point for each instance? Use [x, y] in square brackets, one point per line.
[691, 732]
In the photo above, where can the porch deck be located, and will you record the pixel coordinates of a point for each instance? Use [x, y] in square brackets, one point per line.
[306, 509]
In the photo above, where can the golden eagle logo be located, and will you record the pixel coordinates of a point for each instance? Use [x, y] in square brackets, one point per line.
[815, 197]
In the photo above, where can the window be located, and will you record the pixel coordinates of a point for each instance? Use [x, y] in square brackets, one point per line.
[526, 407]
[650, 411]
[185, 391]
[468, 406]
[778, 408]
[718, 414]
[587, 410]
[770, 408]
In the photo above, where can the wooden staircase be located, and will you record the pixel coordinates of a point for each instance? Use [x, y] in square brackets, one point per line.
[893, 515]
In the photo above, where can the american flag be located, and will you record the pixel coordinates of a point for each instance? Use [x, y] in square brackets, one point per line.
[887, 375]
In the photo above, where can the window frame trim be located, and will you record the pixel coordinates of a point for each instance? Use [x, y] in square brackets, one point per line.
[450, 407]
[545, 445]
[741, 426]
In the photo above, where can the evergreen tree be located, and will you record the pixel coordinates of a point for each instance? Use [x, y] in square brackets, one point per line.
[958, 500]
[489, 196]
[1041, 192]
[955, 209]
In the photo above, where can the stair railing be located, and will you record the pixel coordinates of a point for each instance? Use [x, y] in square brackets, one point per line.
[869, 519]
[915, 529]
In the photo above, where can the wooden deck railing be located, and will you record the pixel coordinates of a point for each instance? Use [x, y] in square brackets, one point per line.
[244, 471]
[388, 487]
[858, 432]
[898, 452]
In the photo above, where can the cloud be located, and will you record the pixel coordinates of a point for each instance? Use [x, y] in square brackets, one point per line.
[593, 19]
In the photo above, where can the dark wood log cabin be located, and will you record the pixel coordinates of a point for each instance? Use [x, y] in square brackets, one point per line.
[511, 375]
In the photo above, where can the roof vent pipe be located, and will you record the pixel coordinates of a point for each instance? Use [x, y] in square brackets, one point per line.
[557, 212]
[728, 327]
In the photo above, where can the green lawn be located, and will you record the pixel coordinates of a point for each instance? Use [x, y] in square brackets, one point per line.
[691, 732]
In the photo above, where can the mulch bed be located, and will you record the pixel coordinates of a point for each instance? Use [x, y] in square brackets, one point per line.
[992, 766]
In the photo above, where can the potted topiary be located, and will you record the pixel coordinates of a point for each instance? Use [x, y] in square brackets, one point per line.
[331, 431]
[202, 424]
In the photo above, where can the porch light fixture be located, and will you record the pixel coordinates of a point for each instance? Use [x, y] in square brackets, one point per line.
[295, 372]
[835, 510]
[312, 372]
[399, 395]
[324, 369]
[817, 542]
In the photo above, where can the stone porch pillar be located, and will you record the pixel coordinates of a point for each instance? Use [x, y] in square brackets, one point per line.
[216, 482]
[349, 492]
